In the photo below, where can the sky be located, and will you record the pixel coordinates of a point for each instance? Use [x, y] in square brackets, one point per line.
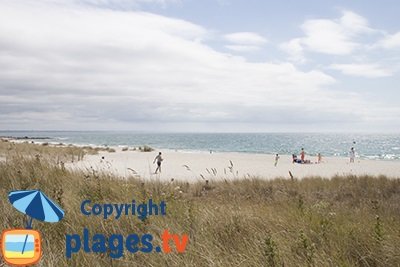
[200, 66]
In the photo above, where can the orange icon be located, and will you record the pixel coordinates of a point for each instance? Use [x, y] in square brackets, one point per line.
[21, 247]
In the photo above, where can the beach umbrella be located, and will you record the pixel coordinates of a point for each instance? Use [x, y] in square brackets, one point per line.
[37, 205]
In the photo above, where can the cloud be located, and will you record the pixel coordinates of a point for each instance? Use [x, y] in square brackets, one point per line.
[354, 24]
[74, 67]
[362, 70]
[295, 50]
[114, 4]
[390, 41]
[245, 41]
[243, 48]
[329, 36]
[246, 38]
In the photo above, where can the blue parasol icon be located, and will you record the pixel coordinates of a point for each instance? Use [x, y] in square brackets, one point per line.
[36, 205]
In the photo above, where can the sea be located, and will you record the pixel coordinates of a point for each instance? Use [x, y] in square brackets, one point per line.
[371, 146]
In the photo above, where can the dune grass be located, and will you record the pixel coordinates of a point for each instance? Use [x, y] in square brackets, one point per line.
[54, 153]
[342, 221]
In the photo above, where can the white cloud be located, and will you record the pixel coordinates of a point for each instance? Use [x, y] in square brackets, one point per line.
[114, 4]
[334, 37]
[354, 24]
[325, 36]
[103, 68]
[246, 38]
[243, 48]
[362, 70]
[391, 41]
[295, 50]
[245, 41]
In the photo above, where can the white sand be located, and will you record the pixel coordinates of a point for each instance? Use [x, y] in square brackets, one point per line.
[244, 165]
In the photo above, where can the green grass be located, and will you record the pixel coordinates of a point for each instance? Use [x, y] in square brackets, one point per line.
[342, 221]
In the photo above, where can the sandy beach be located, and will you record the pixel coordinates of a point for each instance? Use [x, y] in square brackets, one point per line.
[193, 166]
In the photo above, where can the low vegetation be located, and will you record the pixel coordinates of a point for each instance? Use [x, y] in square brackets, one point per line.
[53, 153]
[342, 221]
[146, 148]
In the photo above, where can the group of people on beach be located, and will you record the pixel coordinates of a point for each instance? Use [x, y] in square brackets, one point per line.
[302, 160]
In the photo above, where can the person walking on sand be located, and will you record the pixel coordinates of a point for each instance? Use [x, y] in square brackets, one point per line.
[302, 155]
[352, 155]
[159, 159]
[276, 159]
[319, 158]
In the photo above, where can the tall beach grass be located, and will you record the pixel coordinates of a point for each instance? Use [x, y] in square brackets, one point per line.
[342, 221]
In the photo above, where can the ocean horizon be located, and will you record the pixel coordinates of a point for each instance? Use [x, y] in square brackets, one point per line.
[367, 145]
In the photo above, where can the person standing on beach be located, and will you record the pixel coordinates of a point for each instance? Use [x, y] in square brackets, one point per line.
[352, 155]
[276, 159]
[159, 159]
[302, 155]
[319, 158]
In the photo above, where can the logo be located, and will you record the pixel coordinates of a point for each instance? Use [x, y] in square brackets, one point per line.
[22, 247]
[117, 245]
